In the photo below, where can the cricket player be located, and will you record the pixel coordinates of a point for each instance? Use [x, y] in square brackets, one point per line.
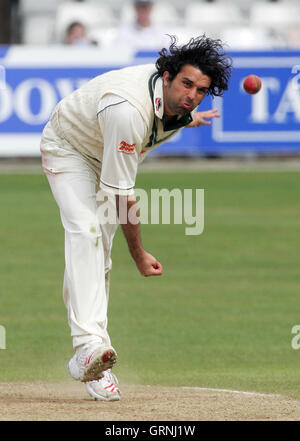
[91, 148]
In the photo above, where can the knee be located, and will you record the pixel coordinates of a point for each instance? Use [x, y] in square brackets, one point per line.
[93, 233]
[85, 231]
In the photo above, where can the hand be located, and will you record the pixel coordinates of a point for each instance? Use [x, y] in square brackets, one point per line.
[148, 265]
[199, 118]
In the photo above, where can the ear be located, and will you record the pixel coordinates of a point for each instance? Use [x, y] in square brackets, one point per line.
[166, 77]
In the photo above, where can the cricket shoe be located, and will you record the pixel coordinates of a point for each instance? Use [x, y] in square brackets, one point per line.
[91, 360]
[105, 389]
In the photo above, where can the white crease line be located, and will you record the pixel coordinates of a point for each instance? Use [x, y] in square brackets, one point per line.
[257, 394]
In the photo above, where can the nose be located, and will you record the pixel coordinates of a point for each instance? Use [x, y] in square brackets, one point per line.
[192, 94]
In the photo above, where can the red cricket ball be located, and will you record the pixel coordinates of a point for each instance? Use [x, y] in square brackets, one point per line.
[252, 84]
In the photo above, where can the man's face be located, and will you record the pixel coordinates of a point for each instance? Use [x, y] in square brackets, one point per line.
[186, 91]
[77, 33]
[143, 14]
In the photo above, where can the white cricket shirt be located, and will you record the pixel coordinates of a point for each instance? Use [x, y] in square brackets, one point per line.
[114, 120]
[124, 134]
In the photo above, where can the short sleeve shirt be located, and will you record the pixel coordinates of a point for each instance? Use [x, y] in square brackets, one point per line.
[123, 131]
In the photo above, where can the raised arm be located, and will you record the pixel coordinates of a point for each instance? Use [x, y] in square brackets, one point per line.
[200, 118]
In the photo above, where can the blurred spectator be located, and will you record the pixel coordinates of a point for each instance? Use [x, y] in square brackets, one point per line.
[143, 13]
[76, 34]
[141, 33]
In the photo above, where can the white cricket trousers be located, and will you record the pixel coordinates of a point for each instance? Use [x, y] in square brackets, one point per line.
[74, 181]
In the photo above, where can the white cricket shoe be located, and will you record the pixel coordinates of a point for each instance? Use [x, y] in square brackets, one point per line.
[91, 360]
[105, 389]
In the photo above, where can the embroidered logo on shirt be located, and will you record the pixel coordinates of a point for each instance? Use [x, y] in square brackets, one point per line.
[157, 104]
[126, 148]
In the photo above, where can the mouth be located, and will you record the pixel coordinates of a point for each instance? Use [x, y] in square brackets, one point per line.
[186, 106]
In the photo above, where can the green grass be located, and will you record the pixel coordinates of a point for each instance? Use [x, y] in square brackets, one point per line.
[220, 316]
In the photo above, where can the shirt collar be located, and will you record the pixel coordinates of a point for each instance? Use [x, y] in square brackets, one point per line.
[157, 96]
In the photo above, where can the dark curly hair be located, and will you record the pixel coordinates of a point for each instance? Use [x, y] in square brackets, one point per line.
[202, 52]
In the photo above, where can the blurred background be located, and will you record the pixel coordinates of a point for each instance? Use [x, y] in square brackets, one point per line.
[244, 24]
[49, 49]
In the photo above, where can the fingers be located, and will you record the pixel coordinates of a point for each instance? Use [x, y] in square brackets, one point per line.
[158, 268]
[154, 269]
[200, 118]
[213, 113]
[201, 122]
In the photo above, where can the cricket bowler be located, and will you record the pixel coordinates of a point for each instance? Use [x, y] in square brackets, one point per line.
[91, 148]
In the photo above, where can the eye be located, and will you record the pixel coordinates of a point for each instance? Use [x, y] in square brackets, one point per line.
[187, 83]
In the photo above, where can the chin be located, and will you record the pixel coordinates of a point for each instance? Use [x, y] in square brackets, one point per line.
[184, 112]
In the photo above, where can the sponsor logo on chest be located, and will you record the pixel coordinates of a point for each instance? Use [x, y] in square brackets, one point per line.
[126, 148]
